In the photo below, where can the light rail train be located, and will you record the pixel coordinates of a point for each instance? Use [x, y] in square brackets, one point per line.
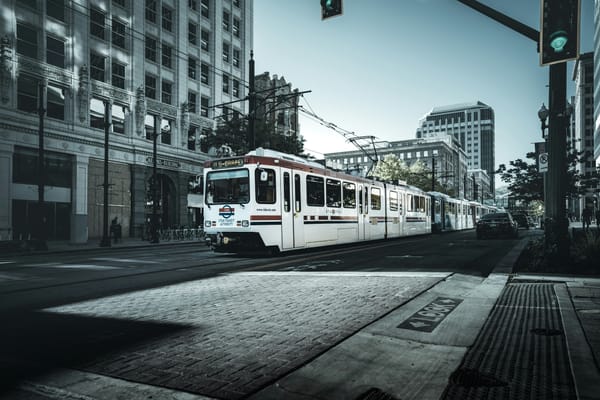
[280, 202]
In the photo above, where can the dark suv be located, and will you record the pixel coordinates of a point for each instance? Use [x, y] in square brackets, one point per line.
[497, 224]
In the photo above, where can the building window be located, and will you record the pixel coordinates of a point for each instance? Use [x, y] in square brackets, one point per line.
[226, 18]
[56, 9]
[27, 42]
[27, 93]
[149, 123]
[167, 56]
[55, 107]
[225, 52]
[204, 73]
[165, 130]
[191, 142]
[118, 118]
[192, 68]
[150, 85]
[236, 58]
[192, 102]
[151, 48]
[167, 19]
[118, 33]
[166, 92]
[204, 106]
[225, 84]
[97, 66]
[193, 4]
[204, 39]
[55, 52]
[236, 27]
[193, 33]
[236, 88]
[97, 23]
[151, 10]
[205, 9]
[118, 75]
[97, 113]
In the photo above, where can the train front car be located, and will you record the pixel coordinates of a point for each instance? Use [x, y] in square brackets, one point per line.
[233, 186]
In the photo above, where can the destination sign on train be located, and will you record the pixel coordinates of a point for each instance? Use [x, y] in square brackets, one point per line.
[232, 162]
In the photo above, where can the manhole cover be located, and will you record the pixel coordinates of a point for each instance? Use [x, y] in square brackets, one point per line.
[474, 378]
[375, 394]
[546, 332]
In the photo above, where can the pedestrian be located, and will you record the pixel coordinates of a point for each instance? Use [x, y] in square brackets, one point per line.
[586, 216]
[598, 217]
[115, 230]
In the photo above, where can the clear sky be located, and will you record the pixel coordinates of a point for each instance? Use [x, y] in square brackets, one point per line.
[384, 64]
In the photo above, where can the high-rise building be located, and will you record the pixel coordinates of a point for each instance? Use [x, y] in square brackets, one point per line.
[597, 82]
[472, 125]
[154, 69]
[277, 104]
[583, 108]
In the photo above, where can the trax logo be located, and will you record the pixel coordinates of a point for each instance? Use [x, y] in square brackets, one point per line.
[226, 211]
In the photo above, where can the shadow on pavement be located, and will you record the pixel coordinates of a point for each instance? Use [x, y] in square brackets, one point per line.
[34, 343]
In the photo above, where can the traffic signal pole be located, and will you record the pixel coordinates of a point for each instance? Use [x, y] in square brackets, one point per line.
[556, 224]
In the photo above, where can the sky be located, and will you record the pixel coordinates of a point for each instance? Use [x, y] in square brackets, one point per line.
[383, 65]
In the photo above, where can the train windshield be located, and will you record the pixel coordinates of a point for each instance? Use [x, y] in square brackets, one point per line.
[224, 187]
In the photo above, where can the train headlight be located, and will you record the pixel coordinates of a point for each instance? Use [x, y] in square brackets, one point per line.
[207, 224]
[245, 223]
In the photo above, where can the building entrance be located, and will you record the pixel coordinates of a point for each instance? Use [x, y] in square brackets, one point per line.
[166, 208]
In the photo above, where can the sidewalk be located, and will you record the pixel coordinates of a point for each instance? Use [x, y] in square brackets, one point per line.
[60, 246]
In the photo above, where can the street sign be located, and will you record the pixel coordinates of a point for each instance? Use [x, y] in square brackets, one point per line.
[543, 162]
[430, 316]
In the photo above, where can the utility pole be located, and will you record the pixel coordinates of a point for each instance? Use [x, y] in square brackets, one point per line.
[154, 227]
[432, 173]
[251, 104]
[41, 231]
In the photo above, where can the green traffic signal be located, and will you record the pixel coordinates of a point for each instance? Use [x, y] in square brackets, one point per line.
[558, 40]
[559, 31]
[330, 8]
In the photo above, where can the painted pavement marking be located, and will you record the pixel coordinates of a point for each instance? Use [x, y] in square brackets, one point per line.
[430, 316]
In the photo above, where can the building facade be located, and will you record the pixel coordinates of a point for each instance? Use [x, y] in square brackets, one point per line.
[277, 104]
[583, 116]
[152, 69]
[450, 163]
[472, 125]
[597, 82]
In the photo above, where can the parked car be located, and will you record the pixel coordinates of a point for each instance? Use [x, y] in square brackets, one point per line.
[522, 220]
[497, 224]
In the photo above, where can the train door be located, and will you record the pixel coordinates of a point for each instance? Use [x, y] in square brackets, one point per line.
[287, 212]
[297, 211]
[361, 213]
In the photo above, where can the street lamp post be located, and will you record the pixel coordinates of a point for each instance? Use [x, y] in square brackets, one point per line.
[105, 242]
[41, 218]
[154, 230]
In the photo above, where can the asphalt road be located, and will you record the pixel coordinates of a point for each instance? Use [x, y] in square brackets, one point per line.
[185, 319]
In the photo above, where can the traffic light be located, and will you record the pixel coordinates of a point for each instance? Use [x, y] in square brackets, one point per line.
[559, 31]
[330, 8]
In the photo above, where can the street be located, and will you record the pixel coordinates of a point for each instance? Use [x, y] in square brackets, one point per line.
[183, 318]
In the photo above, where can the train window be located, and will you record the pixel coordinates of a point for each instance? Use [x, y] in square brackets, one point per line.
[376, 199]
[286, 192]
[315, 192]
[265, 186]
[297, 197]
[393, 201]
[334, 193]
[227, 187]
[409, 203]
[360, 200]
[349, 195]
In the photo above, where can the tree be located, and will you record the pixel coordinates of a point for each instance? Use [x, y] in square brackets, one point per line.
[391, 168]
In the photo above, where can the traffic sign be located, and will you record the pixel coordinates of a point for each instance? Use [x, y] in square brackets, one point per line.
[543, 162]
[430, 316]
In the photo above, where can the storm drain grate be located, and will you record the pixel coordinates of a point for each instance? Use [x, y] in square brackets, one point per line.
[546, 332]
[474, 378]
[513, 357]
[375, 394]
